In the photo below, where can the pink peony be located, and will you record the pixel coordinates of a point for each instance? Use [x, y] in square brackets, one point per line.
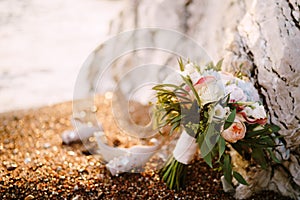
[235, 132]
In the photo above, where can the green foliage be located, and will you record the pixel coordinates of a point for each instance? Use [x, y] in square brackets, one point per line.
[227, 168]
[217, 67]
[239, 178]
[230, 119]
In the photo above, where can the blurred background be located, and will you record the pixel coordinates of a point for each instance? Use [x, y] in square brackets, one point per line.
[43, 45]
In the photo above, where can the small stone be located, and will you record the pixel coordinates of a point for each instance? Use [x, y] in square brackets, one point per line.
[29, 197]
[71, 153]
[15, 151]
[27, 160]
[6, 141]
[76, 197]
[227, 187]
[11, 166]
[76, 187]
[47, 145]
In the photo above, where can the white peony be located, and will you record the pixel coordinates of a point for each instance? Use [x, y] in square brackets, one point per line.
[209, 89]
[236, 93]
[256, 111]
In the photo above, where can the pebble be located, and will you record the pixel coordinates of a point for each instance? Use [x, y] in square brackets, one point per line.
[47, 145]
[27, 160]
[29, 197]
[44, 171]
[11, 166]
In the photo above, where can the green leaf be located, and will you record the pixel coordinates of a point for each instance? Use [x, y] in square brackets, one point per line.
[259, 156]
[208, 159]
[222, 145]
[257, 132]
[240, 147]
[274, 158]
[239, 178]
[230, 119]
[174, 127]
[176, 119]
[227, 168]
[188, 81]
[274, 128]
[200, 140]
[211, 137]
[219, 65]
[181, 65]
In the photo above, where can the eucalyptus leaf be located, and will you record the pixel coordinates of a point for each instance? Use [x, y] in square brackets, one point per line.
[274, 128]
[239, 178]
[222, 145]
[208, 159]
[200, 139]
[230, 119]
[227, 168]
[259, 156]
[211, 137]
[274, 158]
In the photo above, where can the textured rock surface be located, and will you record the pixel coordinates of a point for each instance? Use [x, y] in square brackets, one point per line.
[264, 36]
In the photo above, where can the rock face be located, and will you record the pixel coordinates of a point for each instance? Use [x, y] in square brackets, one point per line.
[264, 36]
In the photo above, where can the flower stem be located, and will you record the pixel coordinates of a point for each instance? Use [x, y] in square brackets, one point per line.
[174, 174]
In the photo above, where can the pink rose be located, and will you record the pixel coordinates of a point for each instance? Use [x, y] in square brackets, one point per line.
[235, 132]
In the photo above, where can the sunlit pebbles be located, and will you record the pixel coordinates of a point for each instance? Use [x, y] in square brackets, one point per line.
[29, 169]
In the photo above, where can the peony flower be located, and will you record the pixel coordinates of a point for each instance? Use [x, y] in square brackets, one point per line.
[208, 89]
[236, 93]
[248, 89]
[235, 132]
[258, 111]
[255, 113]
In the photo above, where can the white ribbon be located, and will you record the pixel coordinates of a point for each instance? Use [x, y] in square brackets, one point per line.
[185, 149]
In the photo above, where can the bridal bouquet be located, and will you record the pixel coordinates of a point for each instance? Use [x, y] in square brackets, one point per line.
[215, 112]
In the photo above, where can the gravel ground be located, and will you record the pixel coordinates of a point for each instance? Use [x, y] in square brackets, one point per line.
[35, 165]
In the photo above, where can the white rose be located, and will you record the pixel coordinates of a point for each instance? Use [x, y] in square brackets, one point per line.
[235, 132]
[220, 112]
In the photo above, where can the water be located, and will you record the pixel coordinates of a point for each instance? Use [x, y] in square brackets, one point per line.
[43, 45]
